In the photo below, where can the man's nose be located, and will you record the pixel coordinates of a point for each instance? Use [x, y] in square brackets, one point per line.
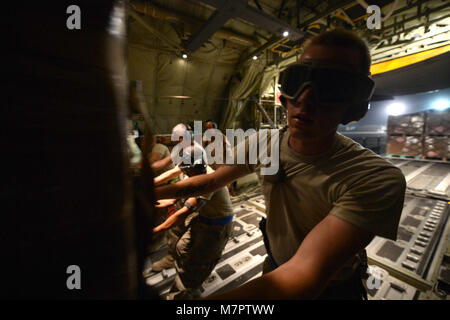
[306, 95]
[306, 99]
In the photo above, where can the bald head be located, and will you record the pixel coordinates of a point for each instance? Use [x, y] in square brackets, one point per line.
[179, 131]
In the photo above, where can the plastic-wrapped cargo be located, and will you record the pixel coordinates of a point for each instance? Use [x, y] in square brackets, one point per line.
[404, 145]
[408, 124]
[437, 147]
[438, 123]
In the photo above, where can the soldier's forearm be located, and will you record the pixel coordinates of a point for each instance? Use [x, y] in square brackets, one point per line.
[173, 220]
[161, 164]
[167, 176]
[191, 187]
[201, 184]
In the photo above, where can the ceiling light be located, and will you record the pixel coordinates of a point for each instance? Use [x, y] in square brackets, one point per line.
[285, 34]
[184, 56]
[440, 105]
[395, 109]
[255, 57]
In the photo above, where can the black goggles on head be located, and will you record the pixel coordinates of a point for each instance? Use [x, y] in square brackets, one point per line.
[331, 84]
[193, 169]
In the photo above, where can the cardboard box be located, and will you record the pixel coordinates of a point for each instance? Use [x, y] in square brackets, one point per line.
[404, 145]
[437, 147]
[438, 123]
[408, 124]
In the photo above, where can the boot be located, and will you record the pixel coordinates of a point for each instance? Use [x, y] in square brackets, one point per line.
[165, 263]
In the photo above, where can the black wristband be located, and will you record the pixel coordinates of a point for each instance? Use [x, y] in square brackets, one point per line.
[188, 205]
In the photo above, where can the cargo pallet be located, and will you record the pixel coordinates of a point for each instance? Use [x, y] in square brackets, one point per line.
[403, 156]
[436, 158]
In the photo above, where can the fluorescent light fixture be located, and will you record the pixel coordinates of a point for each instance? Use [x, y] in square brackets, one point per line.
[440, 105]
[285, 34]
[395, 109]
[255, 57]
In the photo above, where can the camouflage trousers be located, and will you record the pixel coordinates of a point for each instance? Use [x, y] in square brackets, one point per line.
[196, 248]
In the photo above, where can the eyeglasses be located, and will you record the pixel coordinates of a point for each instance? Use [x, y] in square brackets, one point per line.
[331, 84]
[192, 170]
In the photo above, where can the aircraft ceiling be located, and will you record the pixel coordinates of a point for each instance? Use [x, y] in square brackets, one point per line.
[221, 38]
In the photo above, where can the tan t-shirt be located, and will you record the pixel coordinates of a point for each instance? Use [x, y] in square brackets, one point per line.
[164, 152]
[348, 181]
[226, 147]
[218, 204]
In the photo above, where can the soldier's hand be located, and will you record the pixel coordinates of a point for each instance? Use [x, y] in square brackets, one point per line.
[163, 203]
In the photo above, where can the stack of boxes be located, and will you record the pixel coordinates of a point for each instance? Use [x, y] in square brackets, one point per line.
[422, 135]
[405, 134]
[437, 133]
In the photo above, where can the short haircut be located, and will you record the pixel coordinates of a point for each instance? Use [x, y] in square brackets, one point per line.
[343, 38]
[213, 122]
